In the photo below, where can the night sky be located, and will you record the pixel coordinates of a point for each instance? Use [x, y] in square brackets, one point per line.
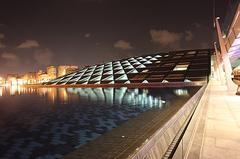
[35, 34]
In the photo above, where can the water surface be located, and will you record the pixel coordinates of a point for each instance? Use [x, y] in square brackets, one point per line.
[51, 122]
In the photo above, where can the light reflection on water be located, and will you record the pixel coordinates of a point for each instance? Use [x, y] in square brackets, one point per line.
[112, 96]
[50, 122]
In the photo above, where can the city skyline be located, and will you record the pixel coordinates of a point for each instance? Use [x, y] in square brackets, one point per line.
[41, 33]
[36, 76]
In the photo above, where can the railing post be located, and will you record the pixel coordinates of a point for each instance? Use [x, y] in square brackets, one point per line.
[226, 61]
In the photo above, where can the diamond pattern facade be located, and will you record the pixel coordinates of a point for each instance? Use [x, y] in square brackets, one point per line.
[177, 66]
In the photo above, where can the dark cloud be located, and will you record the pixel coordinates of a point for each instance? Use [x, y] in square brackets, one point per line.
[10, 59]
[122, 44]
[87, 35]
[167, 39]
[28, 44]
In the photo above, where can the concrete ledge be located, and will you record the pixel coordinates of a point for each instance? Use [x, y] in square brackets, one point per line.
[159, 142]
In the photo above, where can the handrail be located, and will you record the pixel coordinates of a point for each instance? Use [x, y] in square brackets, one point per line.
[229, 17]
[178, 138]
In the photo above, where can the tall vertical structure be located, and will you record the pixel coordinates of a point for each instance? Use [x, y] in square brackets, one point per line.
[224, 56]
[228, 36]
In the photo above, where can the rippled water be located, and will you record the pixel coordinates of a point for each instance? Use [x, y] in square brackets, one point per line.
[51, 122]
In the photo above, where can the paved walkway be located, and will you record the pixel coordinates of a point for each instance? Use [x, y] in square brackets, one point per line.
[221, 139]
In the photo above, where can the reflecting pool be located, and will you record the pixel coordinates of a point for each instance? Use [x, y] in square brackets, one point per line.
[51, 122]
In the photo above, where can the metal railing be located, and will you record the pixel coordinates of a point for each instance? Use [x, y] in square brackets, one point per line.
[229, 17]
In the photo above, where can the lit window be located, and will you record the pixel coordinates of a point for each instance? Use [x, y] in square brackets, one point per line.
[145, 81]
[129, 67]
[107, 68]
[147, 62]
[88, 74]
[116, 62]
[85, 79]
[97, 73]
[191, 52]
[126, 64]
[118, 68]
[137, 63]
[109, 78]
[153, 59]
[123, 77]
[148, 57]
[132, 71]
[108, 73]
[143, 60]
[158, 56]
[127, 82]
[180, 67]
[141, 66]
[124, 61]
[96, 78]
[120, 72]
[144, 71]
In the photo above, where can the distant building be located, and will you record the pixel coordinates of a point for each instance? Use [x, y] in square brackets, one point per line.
[43, 77]
[66, 69]
[2, 81]
[29, 78]
[12, 79]
[51, 72]
[38, 77]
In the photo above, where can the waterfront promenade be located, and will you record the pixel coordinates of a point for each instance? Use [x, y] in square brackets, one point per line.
[218, 134]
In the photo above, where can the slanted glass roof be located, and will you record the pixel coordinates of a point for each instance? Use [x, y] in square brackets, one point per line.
[177, 66]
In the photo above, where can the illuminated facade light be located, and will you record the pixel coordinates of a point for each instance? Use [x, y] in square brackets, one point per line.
[180, 67]
[96, 78]
[132, 71]
[147, 62]
[123, 77]
[144, 71]
[108, 78]
[143, 60]
[141, 66]
[120, 72]
[145, 81]
[148, 57]
[127, 82]
[158, 56]
[164, 81]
